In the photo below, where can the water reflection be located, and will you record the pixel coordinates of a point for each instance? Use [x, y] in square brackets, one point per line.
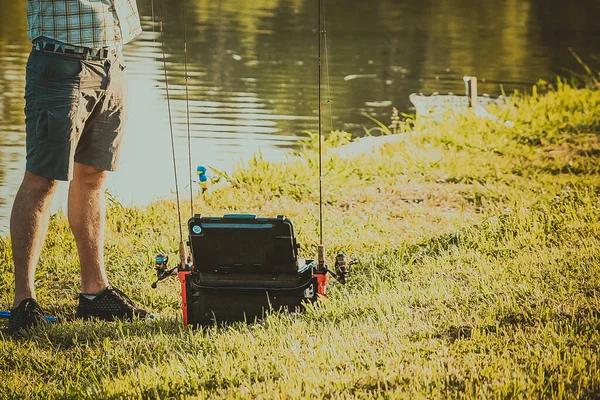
[252, 71]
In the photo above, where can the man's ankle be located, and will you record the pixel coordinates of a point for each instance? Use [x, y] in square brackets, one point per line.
[20, 297]
[94, 288]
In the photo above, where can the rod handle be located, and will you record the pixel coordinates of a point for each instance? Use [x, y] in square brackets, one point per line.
[321, 258]
[182, 255]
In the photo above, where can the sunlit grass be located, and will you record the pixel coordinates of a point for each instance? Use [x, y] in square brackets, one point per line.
[479, 274]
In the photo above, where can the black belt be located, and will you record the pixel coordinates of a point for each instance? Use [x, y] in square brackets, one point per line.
[83, 52]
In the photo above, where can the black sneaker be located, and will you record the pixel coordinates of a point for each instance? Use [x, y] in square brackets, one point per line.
[26, 315]
[110, 305]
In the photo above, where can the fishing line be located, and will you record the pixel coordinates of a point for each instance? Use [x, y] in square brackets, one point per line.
[187, 105]
[153, 23]
[329, 101]
[162, 39]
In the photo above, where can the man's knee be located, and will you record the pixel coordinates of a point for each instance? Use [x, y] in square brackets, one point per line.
[38, 185]
[89, 176]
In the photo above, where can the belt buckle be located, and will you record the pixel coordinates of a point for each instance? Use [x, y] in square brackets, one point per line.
[99, 53]
[86, 53]
[90, 53]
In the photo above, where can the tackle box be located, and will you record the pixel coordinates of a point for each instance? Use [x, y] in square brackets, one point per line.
[244, 267]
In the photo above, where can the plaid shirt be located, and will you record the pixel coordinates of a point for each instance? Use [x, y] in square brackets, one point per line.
[86, 23]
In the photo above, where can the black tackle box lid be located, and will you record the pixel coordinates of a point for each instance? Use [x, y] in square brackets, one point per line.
[243, 243]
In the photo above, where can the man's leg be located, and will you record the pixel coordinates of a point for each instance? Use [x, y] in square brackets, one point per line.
[98, 151]
[28, 228]
[87, 211]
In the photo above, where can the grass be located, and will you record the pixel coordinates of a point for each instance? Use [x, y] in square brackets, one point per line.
[479, 275]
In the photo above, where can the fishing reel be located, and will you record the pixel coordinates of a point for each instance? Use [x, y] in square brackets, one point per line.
[163, 271]
[341, 267]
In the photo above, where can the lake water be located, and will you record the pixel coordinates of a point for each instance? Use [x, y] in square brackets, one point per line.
[253, 73]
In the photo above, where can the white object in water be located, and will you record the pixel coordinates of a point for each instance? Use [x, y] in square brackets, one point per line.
[436, 105]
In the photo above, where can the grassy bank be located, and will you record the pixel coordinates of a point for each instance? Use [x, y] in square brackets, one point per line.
[479, 276]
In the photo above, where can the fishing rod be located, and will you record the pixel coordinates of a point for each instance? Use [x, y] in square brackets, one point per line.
[183, 258]
[341, 266]
[321, 252]
[161, 260]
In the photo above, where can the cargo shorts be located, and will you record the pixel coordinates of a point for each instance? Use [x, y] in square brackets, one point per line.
[74, 112]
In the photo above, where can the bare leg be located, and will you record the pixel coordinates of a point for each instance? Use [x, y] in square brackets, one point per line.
[28, 228]
[87, 211]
